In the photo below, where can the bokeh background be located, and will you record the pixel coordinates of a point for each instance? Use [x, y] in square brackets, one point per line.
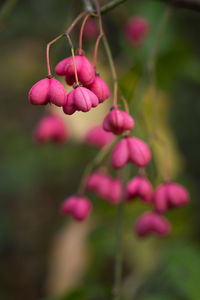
[44, 255]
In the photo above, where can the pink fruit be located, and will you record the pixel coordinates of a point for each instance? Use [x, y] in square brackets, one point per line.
[117, 121]
[51, 128]
[77, 207]
[90, 31]
[105, 187]
[80, 99]
[100, 88]
[152, 222]
[139, 187]
[136, 30]
[98, 137]
[85, 70]
[130, 149]
[47, 90]
[170, 195]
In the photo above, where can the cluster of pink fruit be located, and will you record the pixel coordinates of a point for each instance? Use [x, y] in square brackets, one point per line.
[89, 90]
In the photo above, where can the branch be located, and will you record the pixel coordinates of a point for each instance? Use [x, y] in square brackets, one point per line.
[112, 4]
[188, 4]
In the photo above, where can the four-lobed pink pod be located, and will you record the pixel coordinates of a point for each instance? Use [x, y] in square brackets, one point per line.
[78, 207]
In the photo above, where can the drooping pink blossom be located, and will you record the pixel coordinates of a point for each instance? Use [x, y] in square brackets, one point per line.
[85, 70]
[90, 30]
[139, 187]
[117, 121]
[98, 137]
[100, 88]
[105, 187]
[81, 99]
[170, 195]
[47, 90]
[136, 30]
[51, 128]
[130, 149]
[152, 222]
[78, 207]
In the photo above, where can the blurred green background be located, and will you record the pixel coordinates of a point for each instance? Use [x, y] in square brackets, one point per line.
[35, 180]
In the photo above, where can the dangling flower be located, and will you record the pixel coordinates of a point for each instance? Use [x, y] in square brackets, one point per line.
[98, 137]
[100, 88]
[152, 222]
[136, 29]
[139, 187]
[169, 195]
[78, 207]
[117, 121]
[51, 128]
[47, 90]
[130, 149]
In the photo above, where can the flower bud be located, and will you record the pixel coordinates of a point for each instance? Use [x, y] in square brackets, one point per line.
[152, 222]
[169, 195]
[51, 128]
[117, 121]
[139, 187]
[98, 137]
[47, 90]
[136, 30]
[100, 88]
[130, 149]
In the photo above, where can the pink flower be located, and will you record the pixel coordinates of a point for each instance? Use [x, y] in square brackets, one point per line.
[78, 207]
[152, 222]
[47, 90]
[100, 88]
[169, 195]
[117, 121]
[90, 31]
[85, 70]
[80, 99]
[51, 128]
[139, 187]
[105, 187]
[98, 137]
[130, 149]
[136, 30]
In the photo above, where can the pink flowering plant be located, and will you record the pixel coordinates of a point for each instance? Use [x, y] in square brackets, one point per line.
[121, 173]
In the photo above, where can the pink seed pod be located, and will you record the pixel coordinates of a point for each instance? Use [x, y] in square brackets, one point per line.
[77, 207]
[82, 209]
[136, 30]
[152, 222]
[100, 88]
[117, 121]
[51, 128]
[68, 205]
[170, 195]
[85, 70]
[47, 90]
[80, 99]
[98, 137]
[105, 187]
[90, 31]
[139, 187]
[130, 149]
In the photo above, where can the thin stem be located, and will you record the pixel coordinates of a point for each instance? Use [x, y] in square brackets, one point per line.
[75, 21]
[82, 30]
[111, 5]
[47, 53]
[113, 70]
[118, 252]
[125, 104]
[101, 33]
[96, 161]
[75, 69]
